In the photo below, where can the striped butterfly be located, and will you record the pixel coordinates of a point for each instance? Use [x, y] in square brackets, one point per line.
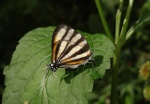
[69, 48]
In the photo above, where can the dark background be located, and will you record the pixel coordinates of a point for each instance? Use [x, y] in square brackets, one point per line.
[17, 17]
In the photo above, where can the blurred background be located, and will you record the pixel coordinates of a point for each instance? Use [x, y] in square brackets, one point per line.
[18, 17]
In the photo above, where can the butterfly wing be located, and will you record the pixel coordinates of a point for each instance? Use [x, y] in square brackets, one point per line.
[69, 48]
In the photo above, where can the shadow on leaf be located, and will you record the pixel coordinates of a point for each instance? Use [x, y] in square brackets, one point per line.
[84, 69]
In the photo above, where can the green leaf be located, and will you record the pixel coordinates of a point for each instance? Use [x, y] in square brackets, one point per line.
[141, 22]
[25, 76]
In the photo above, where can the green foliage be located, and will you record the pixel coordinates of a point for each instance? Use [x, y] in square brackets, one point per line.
[25, 76]
[121, 35]
[141, 22]
[18, 17]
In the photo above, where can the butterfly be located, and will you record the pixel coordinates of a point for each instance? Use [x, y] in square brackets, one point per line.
[69, 48]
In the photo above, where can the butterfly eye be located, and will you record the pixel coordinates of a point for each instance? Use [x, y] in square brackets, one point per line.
[69, 48]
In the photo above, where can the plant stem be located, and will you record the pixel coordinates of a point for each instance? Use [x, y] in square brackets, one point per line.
[118, 19]
[115, 75]
[119, 43]
[116, 56]
[101, 14]
[125, 23]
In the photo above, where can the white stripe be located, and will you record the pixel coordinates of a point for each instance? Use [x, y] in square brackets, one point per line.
[70, 32]
[83, 43]
[81, 55]
[76, 38]
[61, 48]
[60, 34]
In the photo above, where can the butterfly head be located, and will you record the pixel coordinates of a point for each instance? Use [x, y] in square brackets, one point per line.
[53, 66]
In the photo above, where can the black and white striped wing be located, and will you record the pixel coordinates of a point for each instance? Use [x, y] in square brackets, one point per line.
[69, 48]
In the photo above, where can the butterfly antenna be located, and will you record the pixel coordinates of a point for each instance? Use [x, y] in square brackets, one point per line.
[47, 71]
[44, 80]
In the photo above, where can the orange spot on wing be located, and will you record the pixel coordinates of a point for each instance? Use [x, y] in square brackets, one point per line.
[72, 63]
[76, 62]
[66, 60]
[54, 49]
[55, 40]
